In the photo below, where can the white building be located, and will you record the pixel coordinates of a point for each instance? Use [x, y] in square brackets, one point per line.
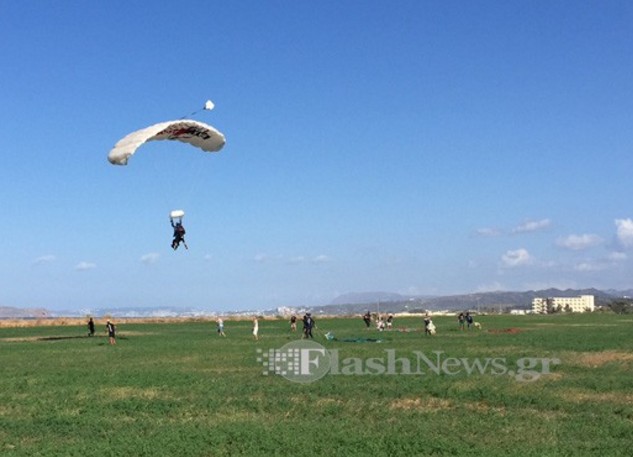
[580, 304]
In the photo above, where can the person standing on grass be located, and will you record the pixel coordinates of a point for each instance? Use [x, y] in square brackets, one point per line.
[308, 324]
[91, 327]
[427, 322]
[460, 320]
[293, 323]
[111, 332]
[469, 320]
[367, 319]
[221, 327]
[255, 329]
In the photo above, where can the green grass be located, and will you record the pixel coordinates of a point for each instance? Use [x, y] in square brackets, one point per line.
[180, 390]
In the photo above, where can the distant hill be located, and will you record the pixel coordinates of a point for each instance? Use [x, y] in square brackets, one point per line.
[482, 301]
[495, 300]
[620, 293]
[348, 304]
[9, 312]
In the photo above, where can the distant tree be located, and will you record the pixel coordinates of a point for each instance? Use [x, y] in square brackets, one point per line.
[621, 306]
[567, 308]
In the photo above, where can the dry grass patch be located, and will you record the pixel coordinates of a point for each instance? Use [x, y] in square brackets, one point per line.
[583, 396]
[30, 339]
[597, 359]
[510, 331]
[124, 332]
[120, 393]
[328, 401]
[558, 324]
[21, 339]
[483, 407]
[101, 321]
[325, 401]
[421, 404]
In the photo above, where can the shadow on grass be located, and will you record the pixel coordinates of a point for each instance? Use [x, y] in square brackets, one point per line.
[57, 338]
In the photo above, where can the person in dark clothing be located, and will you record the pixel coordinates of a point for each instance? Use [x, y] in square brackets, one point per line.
[179, 235]
[111, 332]
[427, 321]
[91, 327]
[308, 325]
[469, 320]
[367, 319]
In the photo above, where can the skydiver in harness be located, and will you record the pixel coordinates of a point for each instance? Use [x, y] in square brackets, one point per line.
[179, 234]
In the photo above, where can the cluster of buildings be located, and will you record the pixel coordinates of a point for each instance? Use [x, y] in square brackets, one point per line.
[581, 304]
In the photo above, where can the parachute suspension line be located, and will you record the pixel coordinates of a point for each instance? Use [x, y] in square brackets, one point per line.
[208, 106]
[190, 115]
[195, 175]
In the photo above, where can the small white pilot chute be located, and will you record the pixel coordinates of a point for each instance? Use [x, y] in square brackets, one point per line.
[177, 214]
[209, 105]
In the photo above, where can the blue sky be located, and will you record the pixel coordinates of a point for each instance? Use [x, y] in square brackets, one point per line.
[419, 147]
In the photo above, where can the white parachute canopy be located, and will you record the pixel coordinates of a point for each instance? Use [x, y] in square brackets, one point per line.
[208, 105]
[195, 133]
[176, 214]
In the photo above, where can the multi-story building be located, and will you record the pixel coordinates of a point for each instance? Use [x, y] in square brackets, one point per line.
[580, 304]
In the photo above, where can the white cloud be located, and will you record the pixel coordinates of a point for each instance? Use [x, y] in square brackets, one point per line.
[625, 232]
[579, 242]
[296, 260]
[618, 256]
[590, 266]
[611, 261]
[488, 232]
[44, 259]
[260, 258]
[532, 226]
[150, 258]
[321, 259]
[516, 258]
[85, 266]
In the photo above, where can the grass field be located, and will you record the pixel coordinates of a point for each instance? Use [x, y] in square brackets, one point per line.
[178, 389]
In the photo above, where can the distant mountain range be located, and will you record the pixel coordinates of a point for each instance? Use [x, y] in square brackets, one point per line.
[351, 303]
[355, 303]
[8, 312]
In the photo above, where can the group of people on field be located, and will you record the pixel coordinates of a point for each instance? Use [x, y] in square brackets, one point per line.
[463, 320]
[110, 328]
[308, 325]
[382, 323]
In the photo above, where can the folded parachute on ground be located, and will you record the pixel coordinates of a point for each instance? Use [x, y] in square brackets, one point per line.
[195, 133]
